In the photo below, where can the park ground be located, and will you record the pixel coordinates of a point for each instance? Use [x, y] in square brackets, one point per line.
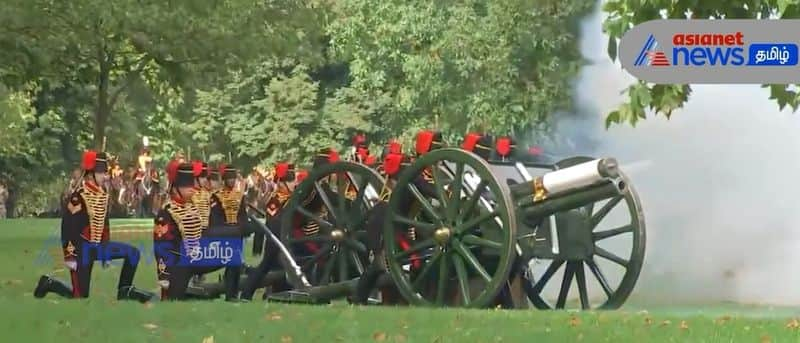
[28, 250]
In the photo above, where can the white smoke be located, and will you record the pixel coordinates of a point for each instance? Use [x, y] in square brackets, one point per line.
[718, 183]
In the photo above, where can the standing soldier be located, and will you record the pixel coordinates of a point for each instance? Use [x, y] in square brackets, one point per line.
[85, 238]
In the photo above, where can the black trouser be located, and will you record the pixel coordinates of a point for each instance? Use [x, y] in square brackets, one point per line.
[179, 276]
[270, 260]
[87, 253]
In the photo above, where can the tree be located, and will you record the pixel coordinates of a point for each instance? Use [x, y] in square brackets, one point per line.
[664, 99]
[109, 45]
[503, 66]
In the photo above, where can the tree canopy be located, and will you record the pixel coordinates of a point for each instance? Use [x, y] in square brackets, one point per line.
[263, 81]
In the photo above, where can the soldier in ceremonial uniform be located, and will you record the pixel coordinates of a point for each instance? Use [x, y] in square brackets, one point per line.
[227, 204]
[228, 208]
[178, 231]
[285, 180]
[85, 238]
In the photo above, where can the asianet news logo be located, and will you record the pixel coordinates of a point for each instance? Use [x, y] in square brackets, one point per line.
[714, 49]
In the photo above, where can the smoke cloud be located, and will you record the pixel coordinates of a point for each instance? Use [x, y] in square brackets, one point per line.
[718, 184]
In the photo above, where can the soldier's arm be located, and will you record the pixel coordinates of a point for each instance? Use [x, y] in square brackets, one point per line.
[216, 216]
[242, 218]
[73, 221]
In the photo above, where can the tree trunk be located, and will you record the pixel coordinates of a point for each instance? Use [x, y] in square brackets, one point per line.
[103, 109]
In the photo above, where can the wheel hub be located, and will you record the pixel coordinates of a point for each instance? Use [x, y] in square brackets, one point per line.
[442, 235]
[337, 235]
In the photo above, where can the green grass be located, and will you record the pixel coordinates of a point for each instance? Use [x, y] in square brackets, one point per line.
[102, 319]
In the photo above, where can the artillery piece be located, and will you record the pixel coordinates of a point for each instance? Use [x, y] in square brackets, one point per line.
[488, 218]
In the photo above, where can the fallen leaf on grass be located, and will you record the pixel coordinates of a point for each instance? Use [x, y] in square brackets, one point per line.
[684, 325]
[148, 305]
[13, 282]
[746, 328]
[209, 339]
[379, 336]
[665, 323]
[150, 326]
[399, 338]
[648, 321]
[286, 339]
[793, 324]
[54, 302]
[574, 321]
[722, 320]
[580, 336]
[274, 316]
[766, 339]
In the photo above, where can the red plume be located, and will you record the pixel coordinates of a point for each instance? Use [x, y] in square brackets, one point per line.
[89, 160]
[535, 150]
[391, 163]
[424, 140]
[370, 160]
[359, 139]
[221, 168]
[333, 156]
[395, 147]
[503, 146]
[197, 168]
[172, 170]
[301, 175]
[281, 169]
[362, 153]
[470, 140]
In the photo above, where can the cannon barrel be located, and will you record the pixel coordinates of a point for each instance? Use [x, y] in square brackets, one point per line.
[572, 200]
[565, 180]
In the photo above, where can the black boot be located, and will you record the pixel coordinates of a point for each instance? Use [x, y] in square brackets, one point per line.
[231, 279]
[133, 293]
[47, 284]
[366, 283]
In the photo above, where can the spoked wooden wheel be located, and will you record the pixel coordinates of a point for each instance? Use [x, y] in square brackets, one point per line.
[464, 229]
[324, 224]
[601, 255]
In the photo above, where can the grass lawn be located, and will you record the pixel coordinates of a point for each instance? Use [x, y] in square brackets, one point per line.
[29, 250]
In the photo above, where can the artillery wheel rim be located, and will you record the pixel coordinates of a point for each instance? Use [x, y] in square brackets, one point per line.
[456, 227]
[576, 269]
[340, 238]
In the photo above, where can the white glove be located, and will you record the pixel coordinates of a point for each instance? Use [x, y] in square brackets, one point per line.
[71, 264]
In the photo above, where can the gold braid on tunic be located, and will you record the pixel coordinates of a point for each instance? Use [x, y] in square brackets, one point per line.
[202, 201]
[189, 224]
[97, 209]
[231, 201]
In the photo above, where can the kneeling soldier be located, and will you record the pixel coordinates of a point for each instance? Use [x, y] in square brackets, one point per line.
[85, 238]
[227, 210]
[178, 232]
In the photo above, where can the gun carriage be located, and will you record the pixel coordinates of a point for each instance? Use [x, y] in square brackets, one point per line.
[487, 219]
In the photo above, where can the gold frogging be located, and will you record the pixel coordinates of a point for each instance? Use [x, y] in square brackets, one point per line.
[231, 200]
[97, 209]
[189, 224]
[202, 201]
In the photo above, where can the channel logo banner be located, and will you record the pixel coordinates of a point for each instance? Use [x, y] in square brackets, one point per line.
[207, 252]
[678, 51]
